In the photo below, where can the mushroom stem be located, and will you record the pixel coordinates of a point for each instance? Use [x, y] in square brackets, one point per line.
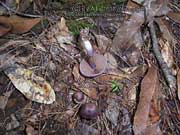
[89, 49]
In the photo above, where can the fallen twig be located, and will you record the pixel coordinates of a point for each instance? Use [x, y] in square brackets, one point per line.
[19, 13]
[170, 79]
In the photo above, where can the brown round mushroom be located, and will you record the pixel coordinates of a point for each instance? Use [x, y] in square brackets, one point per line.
[79, 97]
[89, 111]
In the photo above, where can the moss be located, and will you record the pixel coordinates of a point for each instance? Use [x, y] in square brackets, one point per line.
[75, 26]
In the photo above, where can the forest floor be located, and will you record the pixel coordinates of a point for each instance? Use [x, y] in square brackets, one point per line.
[81, 67]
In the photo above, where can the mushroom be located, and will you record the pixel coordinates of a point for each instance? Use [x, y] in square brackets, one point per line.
[94, 64]
[79, 97]
[89, 111]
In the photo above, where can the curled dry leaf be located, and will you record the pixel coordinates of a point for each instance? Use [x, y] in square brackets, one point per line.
[33, 87]
[19, 24]
[148, 87]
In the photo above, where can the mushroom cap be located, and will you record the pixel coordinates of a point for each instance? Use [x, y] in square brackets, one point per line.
[100, 62]
[79, 97]
[89, 111]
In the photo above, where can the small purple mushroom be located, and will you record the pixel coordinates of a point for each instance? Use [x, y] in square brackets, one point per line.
[79, 97]
[94, 64]
[89, 111]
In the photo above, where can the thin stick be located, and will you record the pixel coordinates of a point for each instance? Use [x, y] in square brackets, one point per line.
[19, 13]
[170, 79]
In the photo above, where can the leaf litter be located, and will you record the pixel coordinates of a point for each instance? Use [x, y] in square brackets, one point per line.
[48, 69]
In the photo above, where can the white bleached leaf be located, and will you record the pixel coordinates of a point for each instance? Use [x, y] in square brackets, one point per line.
[33, 87]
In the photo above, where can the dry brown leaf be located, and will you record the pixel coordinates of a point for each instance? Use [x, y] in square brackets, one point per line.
[153, 129]
[23, 5]
[167, 54]
[33, 87]
[20, 24]
[138, 1]
[76, 74]
[60, 33]
[178, 83]
[148, 87]
[90, 92]
[132, 5]
[111, 61]
[124, 35]
[166, 43]
[4, 99]
[4, 28]
[106, 78]
[103, 42]
[167, 34]
[62, 25]
[30, 130]
[40, 4]
[174, 16]
[156, 8]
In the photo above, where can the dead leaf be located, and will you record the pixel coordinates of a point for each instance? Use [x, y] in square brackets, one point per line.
[4, 99]
[112, 75]
[103, 42]
[156, 8]
[148, 87]
[90, 92]
[112, 111]
[33, 87]
[178, 83]
[19, 24]
[167, 41]
[132, 5]
[23, 5]
[167, 54]
[138, 1]
[166, 32]
[62, 25]
[4, 28]
[153, 129]
[132, 94]
[76, 74]
[30, 130]
[124, 35]
[60, 33]
[111, 61]
[40, 4]
[14, 123]
[175, 16]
